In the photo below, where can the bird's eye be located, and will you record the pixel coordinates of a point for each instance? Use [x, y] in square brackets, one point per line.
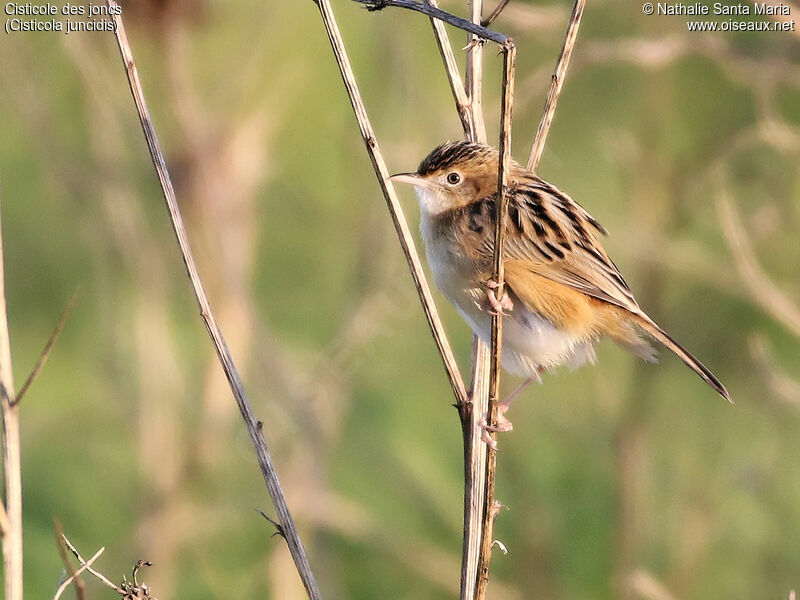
[453, 178]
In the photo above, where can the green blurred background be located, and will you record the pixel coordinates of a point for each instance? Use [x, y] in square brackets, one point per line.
[623, 480]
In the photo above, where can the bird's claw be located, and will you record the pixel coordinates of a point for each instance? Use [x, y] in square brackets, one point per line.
[503, 425]
[499, 307]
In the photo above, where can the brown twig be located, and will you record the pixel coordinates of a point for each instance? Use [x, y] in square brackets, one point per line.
[80, 585]
[47, 349]
[555, 85]
[11, 520]
[495, 13]
[74, 577]
[129, 590]
[231, 372]
[102, 578]
[491, 505]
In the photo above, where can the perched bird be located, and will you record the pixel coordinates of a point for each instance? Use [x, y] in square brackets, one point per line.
[563, 292]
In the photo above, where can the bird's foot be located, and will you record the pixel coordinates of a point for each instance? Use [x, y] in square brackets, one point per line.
[501, 306]
[503, 425]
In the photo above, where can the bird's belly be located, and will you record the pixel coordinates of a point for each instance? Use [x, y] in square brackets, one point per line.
[531, 342]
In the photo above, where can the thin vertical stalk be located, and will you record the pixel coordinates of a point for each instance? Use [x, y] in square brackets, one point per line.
[12, 465]
[474, 76]
[491, 505]
[453, 76]
[287, 528]
[478, 470]
[475, 450]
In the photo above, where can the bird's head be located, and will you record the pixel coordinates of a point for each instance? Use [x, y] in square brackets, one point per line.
[453, 175]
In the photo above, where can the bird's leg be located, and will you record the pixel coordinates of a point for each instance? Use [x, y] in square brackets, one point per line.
[499, 307]
[503, 424]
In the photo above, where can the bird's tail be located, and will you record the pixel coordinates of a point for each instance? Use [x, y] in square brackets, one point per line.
[647, 324]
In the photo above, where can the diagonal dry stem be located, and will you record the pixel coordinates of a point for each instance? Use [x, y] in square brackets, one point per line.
[392, 202]
[555, 85]
[495, 13]
[78, 583]
[231, 372]
[51, 342]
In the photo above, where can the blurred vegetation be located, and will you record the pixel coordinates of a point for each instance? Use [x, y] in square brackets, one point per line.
[618, 477]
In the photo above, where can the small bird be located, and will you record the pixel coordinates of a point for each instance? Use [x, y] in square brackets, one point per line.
[562, 291]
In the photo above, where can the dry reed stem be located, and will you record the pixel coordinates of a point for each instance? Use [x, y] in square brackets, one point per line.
[129, 590]
[479, 469]
[102, 578]
[473, 79]
[231, 372]
[491, 506]
[453, 76]
[11, 520]
[475, 451]
[555, 86]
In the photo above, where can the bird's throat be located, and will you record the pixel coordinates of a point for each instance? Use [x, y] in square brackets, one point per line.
[431, 201]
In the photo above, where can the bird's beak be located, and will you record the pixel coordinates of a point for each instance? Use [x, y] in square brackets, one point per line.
[411, 178]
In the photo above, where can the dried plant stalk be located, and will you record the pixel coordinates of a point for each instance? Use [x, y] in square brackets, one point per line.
[475, 451]
[556, 84]
[491, 506]
[392, 202]
[478, 475]
[288, 528]
[453, 76]
[11, 519]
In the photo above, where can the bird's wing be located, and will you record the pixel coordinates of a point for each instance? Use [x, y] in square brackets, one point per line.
[554, 237]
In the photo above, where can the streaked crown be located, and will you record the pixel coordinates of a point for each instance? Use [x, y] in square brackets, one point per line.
[453, 154]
